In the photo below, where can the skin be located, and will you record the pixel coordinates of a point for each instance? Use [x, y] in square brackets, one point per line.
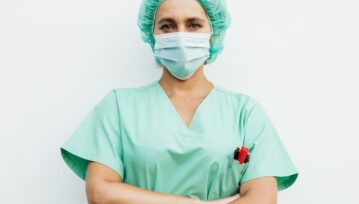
[177, 16]
[105, 186]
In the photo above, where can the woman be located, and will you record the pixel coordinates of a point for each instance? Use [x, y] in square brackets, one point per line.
[173, 140]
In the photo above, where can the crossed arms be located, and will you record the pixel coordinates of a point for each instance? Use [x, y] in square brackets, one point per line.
[105, 186]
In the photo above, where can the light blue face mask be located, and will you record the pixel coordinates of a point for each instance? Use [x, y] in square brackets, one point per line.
[182, 53]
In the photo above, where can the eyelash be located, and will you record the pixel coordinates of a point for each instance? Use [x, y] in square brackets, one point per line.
[163, 27]
[198, 25]
[166, 25]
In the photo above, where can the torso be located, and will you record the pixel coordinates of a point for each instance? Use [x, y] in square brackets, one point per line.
[181, 145]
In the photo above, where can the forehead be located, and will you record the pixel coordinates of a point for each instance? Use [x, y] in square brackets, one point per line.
[180, 9]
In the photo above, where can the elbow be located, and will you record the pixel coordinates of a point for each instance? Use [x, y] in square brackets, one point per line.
[95, 197]
[94, 194]
[258, 198]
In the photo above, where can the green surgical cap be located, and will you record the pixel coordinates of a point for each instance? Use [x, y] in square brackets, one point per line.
[216, 10]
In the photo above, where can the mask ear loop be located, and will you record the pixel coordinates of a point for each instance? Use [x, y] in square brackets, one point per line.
[153, 24]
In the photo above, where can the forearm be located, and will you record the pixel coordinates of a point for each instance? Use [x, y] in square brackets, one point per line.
[248, 200]
[261, 190]
[118, 193]
[254, 198]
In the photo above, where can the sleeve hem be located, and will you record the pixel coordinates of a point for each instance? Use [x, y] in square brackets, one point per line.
[284, 181]
[77, 161]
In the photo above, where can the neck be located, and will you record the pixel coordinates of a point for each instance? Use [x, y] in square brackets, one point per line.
[196, 84]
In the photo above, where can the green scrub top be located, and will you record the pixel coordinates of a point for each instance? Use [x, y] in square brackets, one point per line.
[138, 133]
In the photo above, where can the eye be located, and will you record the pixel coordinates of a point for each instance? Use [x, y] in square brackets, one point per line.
[166, 27]
[195, 25]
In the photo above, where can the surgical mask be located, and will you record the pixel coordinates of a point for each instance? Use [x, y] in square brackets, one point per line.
[182, 53]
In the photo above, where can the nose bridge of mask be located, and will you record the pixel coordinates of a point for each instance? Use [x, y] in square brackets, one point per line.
[182, 46]
[182, 39]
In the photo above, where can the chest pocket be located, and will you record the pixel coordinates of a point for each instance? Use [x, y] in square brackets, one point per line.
[235, 168]
[228, 181]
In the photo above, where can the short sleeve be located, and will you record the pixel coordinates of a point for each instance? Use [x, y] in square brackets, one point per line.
[268, 156]
[97, 138]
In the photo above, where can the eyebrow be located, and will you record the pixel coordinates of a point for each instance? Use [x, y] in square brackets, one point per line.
[172, 20]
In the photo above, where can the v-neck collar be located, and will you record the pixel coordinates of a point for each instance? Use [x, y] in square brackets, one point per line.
[175, 112]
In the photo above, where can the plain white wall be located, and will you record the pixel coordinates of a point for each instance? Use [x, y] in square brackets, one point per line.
[298, 58]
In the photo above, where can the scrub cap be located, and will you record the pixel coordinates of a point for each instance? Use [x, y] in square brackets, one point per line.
[216, 10]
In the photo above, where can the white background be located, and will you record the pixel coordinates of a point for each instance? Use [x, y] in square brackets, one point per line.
[298, 58]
